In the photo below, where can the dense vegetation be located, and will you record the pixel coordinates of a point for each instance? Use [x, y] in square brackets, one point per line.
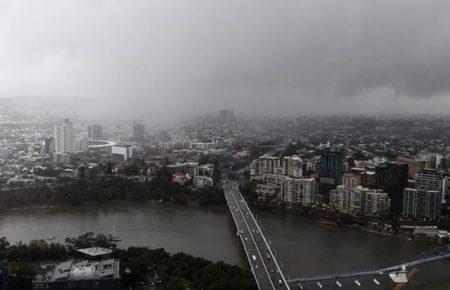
[138, 265]
[107, 188]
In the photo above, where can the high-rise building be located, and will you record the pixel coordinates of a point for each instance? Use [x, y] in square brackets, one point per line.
[432, 180]
[419, 204]
[265, 165]
[138, 132]
[226, 117]
[414, 166]
[95, 132]
[351, 180]
[392, 178]
[283, 178]
[360, 200]
[293, 166]
[432, 159]
[81, 144]
[49, 145]
[64, 137]
[331, 167]
[445, 163]
[298, 190]
[424, 201]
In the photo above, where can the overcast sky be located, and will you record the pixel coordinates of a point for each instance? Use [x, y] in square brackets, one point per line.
[166, 58]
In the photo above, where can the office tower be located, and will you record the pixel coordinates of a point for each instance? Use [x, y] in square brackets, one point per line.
[226, 117]
[331, 167]
[64, 137]
[392, 178]
[95, 132]
[138, 132]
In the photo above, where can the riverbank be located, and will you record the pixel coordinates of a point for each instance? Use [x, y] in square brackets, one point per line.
[170, 204]
[61, 192]
[138, 265]
[302, 247]
[324, 217]
[115, 202]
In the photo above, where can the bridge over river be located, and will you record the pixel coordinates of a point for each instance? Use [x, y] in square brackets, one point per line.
[268, 274]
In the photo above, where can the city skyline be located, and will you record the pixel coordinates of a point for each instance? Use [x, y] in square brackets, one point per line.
[226, 145]
[295, 57]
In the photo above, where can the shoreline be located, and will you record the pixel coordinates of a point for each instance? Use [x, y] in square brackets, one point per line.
[332, 224]
[111, 203]
[172, 204]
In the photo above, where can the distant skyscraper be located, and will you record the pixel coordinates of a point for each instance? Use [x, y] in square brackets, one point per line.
[138, 132]
[81, 144]
[331, 167]
[445, 163]
[392, 178]
[226, 117]
[95, 132]
[64, 137]
[49, 145]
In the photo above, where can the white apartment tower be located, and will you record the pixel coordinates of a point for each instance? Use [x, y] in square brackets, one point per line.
[64, 137]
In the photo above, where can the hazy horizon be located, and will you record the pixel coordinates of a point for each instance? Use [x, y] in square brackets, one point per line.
[166, 60]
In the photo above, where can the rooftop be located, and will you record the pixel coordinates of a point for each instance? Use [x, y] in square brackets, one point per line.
[95, 251]
[80, 270]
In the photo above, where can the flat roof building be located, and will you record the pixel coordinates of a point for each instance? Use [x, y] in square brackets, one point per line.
[79, 275]
[124, 151]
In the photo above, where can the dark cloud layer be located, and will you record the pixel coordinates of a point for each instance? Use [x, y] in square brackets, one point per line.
[256, 56]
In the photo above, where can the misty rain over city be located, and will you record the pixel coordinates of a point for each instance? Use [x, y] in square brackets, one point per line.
[224, 144]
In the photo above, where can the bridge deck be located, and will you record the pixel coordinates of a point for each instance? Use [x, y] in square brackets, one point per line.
[263, 264]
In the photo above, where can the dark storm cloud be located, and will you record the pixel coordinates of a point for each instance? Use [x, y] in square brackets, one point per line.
[302, 56]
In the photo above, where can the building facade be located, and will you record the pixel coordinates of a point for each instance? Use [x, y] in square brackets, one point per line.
[64, 137]
[360, 200]
[351, 180]
[331, 167]
[123, 151]
[425, 200]
[95, 132]
[299, 190]
[392, 178]
[138, 132]
[292, 166]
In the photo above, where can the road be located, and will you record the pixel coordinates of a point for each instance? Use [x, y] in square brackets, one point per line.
[263, 264]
